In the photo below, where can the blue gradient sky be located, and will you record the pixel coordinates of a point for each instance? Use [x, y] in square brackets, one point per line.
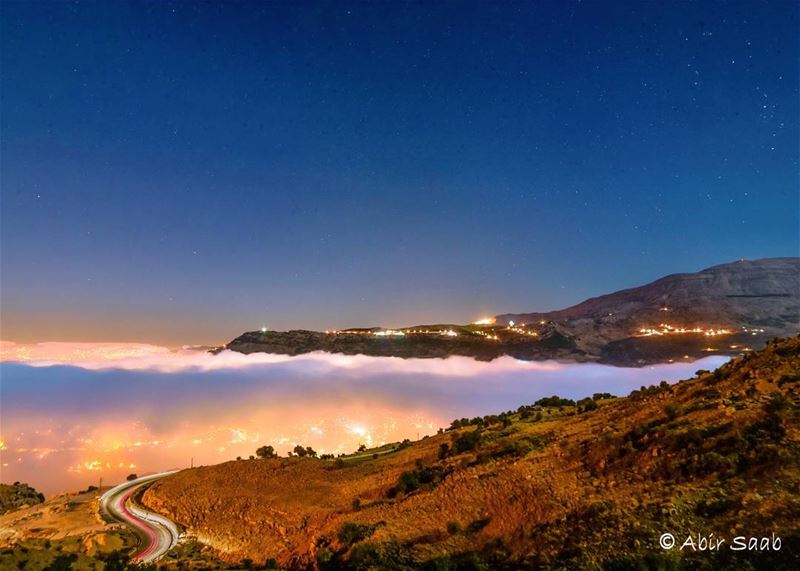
[181, 172]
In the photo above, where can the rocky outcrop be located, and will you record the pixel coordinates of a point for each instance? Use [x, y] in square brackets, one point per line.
[17, 495]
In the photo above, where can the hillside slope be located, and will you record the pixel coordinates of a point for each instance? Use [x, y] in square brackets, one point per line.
[743, 296]
[63, 532]
[552, 485]
[751, 293]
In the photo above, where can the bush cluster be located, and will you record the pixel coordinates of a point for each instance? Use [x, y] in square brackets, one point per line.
[350, 532]
[555, 401]
[652, 390]
[420, 478]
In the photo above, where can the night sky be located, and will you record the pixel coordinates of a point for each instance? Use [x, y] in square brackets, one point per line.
[179, 173]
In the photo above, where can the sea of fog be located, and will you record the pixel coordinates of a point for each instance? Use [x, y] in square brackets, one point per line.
[73, 413]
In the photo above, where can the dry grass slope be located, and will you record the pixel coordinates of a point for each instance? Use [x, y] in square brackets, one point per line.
[542, 487]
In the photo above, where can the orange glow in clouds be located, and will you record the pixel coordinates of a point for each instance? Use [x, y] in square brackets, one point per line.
[114, 408]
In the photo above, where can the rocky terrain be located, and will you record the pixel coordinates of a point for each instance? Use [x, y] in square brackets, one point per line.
[727, 310]
[555, 484]
[17, 495]
[67, 532]
[63, 532]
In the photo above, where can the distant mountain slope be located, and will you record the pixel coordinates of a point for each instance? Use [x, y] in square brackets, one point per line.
[750, 300]
[724, 310]
[747, 293]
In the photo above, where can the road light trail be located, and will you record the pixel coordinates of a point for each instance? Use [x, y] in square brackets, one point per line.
[158, 534]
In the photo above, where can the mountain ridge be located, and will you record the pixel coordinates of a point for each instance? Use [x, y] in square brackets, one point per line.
[787, 267]
[725, 310]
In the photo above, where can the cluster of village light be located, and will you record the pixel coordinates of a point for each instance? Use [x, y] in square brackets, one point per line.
[491, 330]
[752, 331]
[666, 329]
[393, 332]
[489, 322]
[399, 333]
[489, 336]
[521, 330]
[389, 333]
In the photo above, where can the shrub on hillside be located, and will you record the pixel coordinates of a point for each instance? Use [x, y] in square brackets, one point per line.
[419, 478]
[478, 525]
[351, 532]
[672, 411]
[652, 390]
[467, 441]
[304, 451]
[266, 452]
[515, 448]
[555, 401]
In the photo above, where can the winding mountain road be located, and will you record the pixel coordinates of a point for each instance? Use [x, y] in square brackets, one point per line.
[157, 534]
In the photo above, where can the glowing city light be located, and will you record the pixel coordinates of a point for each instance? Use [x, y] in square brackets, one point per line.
[666, 329]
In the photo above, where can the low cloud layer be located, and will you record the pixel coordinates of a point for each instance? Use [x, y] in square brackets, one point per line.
[72, 412]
